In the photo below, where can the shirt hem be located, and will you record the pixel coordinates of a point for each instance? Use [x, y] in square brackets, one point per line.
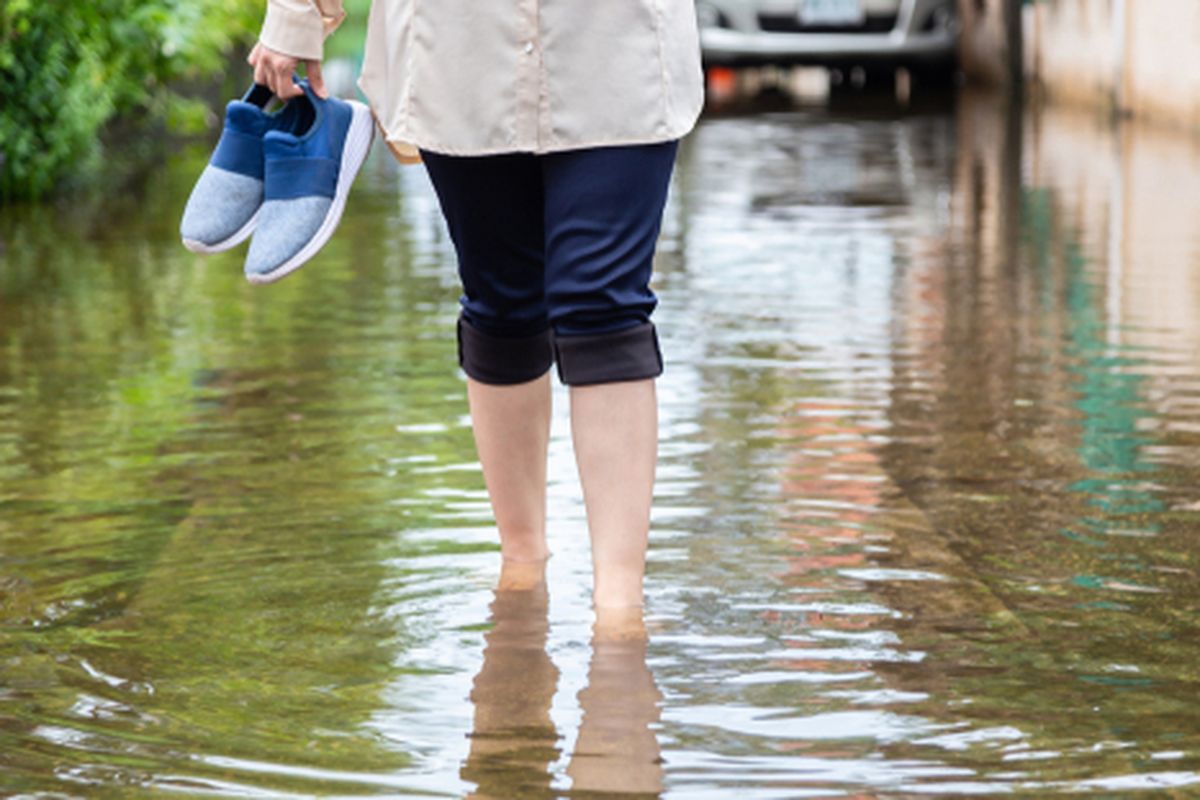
[405, 145]
[400, 142]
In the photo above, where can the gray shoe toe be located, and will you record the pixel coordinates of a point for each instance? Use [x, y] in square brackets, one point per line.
[284, 228]
[220, 205]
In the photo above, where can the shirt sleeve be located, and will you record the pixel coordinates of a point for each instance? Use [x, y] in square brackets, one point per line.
[298, 28]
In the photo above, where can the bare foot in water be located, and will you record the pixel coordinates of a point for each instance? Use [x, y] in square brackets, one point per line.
[521, 575]
[619, 624]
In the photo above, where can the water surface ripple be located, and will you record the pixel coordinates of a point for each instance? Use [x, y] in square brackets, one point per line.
[925, 509]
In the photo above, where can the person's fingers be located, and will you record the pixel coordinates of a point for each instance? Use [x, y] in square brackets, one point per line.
[312, 68]
[261, 77]
[275, 82]
[252, 59]
[284, 87]
[274, 70]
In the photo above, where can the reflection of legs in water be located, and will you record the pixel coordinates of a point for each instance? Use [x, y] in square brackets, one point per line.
[514, 742]
[616, 750]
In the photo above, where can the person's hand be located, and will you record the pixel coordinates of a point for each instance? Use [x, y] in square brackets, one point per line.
[274, 70]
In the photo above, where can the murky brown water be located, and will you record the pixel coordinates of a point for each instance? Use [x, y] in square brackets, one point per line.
[926, 510]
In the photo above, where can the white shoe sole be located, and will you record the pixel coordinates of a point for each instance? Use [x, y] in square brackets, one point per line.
[242, 234]
[354, 152]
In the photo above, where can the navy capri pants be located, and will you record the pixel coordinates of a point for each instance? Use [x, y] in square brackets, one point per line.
[555, 254]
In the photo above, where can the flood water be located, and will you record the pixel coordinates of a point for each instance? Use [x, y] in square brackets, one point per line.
[926, 510]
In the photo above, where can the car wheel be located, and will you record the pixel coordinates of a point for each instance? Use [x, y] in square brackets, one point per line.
[879, 79]
[940, 76]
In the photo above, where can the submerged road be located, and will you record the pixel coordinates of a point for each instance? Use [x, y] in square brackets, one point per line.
[926, 512]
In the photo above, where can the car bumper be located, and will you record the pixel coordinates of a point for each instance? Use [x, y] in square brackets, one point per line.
[743, 42]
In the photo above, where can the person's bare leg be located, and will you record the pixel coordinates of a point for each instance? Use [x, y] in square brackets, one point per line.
[512, 431]
[615, 430]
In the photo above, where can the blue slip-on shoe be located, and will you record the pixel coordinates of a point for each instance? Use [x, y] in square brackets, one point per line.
[222, 209]
[308, 173]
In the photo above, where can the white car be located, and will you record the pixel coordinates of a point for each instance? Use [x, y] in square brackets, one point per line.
[918, 34]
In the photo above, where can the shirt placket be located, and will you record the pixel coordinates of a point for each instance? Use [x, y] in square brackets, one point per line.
[528, 94]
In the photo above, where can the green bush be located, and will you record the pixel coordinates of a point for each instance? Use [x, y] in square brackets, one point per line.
[68, 67]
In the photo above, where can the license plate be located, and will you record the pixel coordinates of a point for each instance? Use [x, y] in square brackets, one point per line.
[831, 12]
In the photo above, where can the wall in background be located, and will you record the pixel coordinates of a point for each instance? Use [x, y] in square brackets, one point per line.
[1140, 58]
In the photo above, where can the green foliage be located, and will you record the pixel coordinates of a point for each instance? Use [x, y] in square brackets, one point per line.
[67, 67]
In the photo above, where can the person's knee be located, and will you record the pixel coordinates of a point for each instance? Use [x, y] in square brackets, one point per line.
[602, 356]
[503, 359]
[627, 354]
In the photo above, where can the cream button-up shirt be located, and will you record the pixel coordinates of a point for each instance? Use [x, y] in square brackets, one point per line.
[476, 77]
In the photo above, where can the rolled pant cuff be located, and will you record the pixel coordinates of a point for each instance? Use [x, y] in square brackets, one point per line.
[503, 360]
[625, 355]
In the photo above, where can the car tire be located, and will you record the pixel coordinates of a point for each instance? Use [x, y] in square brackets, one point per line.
[879, 79]
[937, 76]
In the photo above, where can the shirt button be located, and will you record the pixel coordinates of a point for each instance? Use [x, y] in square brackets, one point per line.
[529, 47]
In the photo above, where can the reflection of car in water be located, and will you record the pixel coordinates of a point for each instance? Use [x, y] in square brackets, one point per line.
[870, 34]
[801, 220]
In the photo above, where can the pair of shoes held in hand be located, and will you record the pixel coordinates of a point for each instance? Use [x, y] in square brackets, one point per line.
[282, 177]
